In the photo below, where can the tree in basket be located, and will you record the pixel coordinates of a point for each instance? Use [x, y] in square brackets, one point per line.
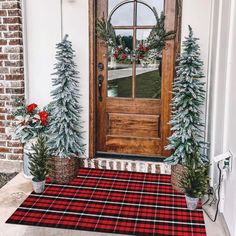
[65, 129]
[188, 98]
[39, 164]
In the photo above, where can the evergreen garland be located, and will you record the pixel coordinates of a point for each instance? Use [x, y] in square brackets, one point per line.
[38, 159]
[65, 130]
[188, 128]
[153, 46]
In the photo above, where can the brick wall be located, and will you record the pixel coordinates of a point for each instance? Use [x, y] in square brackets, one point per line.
[11, 75]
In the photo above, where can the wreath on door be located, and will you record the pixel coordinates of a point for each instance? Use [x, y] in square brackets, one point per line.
[150, 49]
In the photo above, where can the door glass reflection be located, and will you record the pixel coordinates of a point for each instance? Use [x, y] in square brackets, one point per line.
[120, 65]
[145, 14]
[148, 74]
[123, 15]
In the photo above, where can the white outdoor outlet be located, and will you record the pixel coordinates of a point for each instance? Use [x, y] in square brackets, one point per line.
[223, 156]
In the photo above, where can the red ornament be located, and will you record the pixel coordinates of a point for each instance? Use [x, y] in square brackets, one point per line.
[138, 56]
[124, 56]
[116, 55]
[43, 117]
[30, 108]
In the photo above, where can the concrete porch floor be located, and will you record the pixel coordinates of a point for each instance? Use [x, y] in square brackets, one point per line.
[17, 190]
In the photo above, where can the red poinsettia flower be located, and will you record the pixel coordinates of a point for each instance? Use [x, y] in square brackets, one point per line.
[43, 117]
[30, 108]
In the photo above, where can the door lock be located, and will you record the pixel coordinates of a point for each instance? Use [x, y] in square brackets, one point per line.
[100, 81]
[100, 66]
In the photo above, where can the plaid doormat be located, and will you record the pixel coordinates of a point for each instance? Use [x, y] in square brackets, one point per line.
[113, 202]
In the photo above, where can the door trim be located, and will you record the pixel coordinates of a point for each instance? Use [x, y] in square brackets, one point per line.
[92, 75]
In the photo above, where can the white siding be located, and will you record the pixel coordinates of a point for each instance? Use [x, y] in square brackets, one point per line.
[42, 32]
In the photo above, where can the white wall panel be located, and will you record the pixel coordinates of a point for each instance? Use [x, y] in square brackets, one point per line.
[42, 25]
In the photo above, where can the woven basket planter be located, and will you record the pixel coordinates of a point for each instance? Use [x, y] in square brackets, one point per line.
[177, 172]
[62, 170]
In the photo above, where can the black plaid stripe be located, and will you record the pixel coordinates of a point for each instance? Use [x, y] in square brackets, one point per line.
[107, 205]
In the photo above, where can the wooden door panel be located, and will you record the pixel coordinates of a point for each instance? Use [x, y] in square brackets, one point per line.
[131, 145]
[133, 125]
[133, 106]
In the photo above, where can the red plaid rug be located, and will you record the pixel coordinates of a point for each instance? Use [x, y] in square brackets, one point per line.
[113, 202]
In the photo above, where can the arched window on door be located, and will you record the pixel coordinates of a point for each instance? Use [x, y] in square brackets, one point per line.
[139, 76]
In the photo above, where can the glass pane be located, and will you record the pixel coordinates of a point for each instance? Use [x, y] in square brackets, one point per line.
[148, 78]
[123, 16]
[145, 16]
[120, 66]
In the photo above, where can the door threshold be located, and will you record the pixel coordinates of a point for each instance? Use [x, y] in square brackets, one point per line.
[129, 157]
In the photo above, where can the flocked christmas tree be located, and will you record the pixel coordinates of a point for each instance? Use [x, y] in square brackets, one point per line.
[188, 128]
[65, 130]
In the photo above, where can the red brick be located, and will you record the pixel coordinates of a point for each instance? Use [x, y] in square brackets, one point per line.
[12, 35]
[11, 20]
[4, 70]
[11, 5]
[3, 13]
[4, 97]
[15, 42]
[2, 156]
[3, 149]
[2, 130]
[3, 110]
[14, 144]
[13, 49]
[14, 157]
[17, 151]
[15, 28]
[16, 70]
[14, 12]
[2, 143]
[14, 77]
[10, 117]
[14, 91]
[18, 56]
[3, 28]
[13, 63]
[3, 56]
[3, 41]
[2, 117]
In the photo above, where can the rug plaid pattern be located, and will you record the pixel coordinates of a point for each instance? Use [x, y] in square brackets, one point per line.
[113, 202]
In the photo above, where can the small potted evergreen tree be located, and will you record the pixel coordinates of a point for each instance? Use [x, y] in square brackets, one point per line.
[65, 130]
[38, 164]
[195, 182]
[186, 121]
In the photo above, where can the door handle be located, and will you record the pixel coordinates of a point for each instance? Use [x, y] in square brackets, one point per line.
[100, 81]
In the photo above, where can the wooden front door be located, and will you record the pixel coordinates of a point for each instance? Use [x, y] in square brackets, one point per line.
[133, 96]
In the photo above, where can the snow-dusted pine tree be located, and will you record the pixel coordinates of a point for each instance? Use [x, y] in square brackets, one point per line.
[187, 139]
[65, 127]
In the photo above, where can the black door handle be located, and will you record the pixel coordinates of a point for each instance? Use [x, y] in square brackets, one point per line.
[100, 81]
